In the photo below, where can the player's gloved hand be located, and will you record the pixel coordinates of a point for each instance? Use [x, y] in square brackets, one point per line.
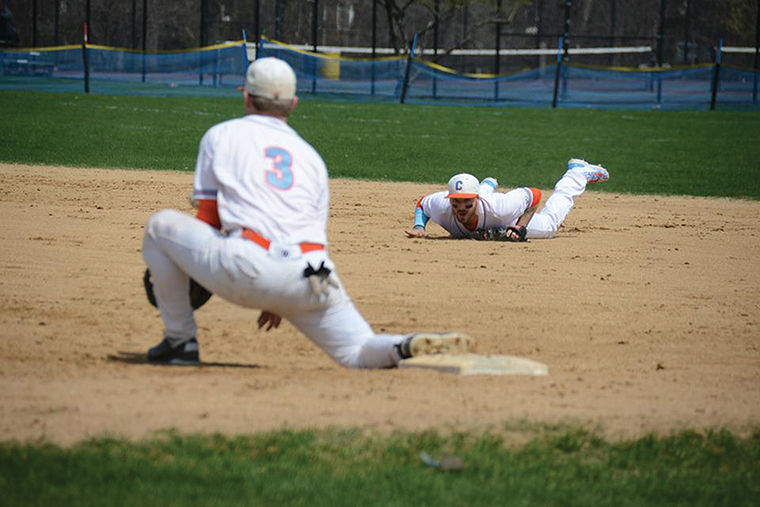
[417, 232]
[517, 233]
[321, 279]
[272, 319]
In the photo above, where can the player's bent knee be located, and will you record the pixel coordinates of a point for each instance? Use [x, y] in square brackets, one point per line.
[160, 221]
[542, 226]
[348, 357]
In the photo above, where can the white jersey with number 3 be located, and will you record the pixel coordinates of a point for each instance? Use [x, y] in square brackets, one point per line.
[264, 177]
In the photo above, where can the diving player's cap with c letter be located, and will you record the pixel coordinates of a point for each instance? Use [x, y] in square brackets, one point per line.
[463, 186]
[271, 78]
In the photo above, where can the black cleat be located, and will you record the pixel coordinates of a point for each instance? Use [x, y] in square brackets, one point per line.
[184, 354]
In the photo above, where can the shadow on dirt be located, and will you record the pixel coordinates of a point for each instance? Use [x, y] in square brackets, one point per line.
[139, 358]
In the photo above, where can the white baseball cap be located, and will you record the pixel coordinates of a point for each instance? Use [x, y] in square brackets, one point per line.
[271, 78]
[463, 186]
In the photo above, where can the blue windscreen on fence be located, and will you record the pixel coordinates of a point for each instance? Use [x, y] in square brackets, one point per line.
[219, 70]
[380, 78]
[215, 70]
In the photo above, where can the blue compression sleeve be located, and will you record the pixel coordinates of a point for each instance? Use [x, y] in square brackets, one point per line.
[420, 218]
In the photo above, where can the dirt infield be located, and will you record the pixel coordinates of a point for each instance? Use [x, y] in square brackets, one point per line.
[646, 310]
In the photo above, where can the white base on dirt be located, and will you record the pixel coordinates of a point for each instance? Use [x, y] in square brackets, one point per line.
[477, 364]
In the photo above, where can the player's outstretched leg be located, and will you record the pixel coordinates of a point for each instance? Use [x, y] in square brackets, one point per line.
[423, 344]
[579, 173]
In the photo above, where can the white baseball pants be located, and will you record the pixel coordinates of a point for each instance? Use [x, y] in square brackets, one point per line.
[177, 247]
[545, 223]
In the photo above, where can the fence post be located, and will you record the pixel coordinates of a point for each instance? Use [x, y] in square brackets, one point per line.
[496, 68]
[245, 53]
[435, 44]
[374, 45]
[716, 75]
[661, 33]
[84, 61]
[202, 40]
[557, 71]
[687, 33]
[566, 46]
[409, 57]
[757, 52]
[216, 78]
[144, 36]
[314, 32]
[256, 26]
[659, 88]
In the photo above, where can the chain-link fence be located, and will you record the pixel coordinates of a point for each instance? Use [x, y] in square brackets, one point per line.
[679, 31]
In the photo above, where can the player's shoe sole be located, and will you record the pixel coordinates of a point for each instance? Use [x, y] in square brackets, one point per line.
[596, 174]
[593, 173]
[185, 354]
[425, 344]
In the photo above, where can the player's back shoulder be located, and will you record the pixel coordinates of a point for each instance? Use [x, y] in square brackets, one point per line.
[225, 128]
[438, 196]
[263, 128]
[436, 204]
[254, 122]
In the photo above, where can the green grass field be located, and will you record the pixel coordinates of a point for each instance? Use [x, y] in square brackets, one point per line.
[688, 153]
[691, 153]
[348, 468]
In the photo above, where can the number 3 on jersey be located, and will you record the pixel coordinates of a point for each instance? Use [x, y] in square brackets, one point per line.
[280, 176]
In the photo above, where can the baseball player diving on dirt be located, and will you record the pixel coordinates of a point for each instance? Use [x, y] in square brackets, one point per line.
[473, 209]
[259, 240]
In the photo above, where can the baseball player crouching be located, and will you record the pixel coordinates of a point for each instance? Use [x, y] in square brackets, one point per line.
[259, 239]
[473, 209]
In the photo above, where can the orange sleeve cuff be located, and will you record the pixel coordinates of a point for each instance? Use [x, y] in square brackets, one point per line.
[535, 195]
[209, 213]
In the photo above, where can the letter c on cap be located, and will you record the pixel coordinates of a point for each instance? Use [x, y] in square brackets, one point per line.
[458, 186]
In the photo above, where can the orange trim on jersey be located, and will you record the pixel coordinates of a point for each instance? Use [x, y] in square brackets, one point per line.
[265, 243]
[419, 203]
[535, 195]
[256, 238]
[310, 247]
[209, 213]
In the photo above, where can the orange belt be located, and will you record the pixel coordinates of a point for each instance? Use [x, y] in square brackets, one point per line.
[264, 243]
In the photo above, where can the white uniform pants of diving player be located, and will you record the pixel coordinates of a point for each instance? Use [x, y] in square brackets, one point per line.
[177, 247]
[545, 223]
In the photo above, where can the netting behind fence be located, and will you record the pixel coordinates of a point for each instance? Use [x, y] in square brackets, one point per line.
[219, 70]
[330, 74]
[215, 70]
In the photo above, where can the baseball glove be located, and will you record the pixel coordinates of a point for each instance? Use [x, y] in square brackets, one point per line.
[495, 234]
[518, 233]
[198, 294]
